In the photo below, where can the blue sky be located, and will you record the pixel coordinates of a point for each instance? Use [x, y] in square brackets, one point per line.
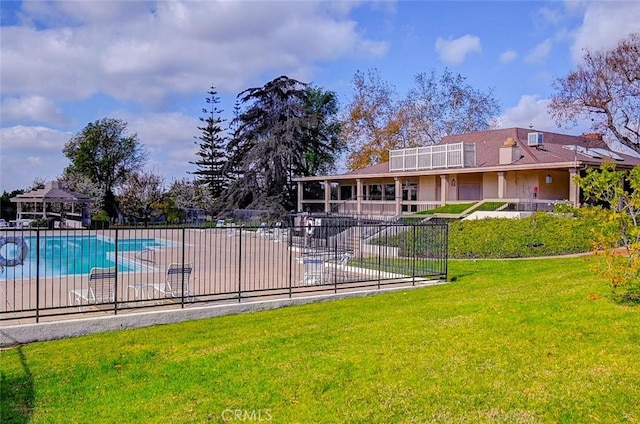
[65, 64]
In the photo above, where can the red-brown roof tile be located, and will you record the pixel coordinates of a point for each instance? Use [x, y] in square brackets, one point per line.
[488, 145]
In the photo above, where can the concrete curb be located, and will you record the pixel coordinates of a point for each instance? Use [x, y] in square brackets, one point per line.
[28, 333]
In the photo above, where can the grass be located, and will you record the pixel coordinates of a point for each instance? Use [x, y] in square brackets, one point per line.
[452, 208]
[489, 206]
[506, 342]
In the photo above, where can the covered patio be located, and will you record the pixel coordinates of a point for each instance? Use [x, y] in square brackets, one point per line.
[52, 201]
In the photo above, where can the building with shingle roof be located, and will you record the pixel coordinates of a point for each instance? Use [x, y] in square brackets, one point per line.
[525, 168]
[37, 203]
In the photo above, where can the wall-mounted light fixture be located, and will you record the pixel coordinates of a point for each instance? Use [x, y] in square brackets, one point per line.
[548, 179]
[453, 182]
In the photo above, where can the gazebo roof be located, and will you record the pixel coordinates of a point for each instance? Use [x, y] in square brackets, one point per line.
[53, 193]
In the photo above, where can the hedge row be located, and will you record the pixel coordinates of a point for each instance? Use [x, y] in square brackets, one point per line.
[541, 234]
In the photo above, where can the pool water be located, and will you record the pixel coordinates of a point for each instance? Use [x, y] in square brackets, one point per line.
[72, 254]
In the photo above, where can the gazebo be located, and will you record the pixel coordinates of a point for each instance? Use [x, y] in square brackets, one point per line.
[52, 193]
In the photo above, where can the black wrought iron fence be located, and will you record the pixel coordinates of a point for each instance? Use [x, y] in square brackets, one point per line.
[53, 273]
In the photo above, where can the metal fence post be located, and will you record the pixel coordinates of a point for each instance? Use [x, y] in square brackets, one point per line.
[379, 257]
[37, 275]
[445, 234]
[240, 266]
[115, 290]
[290, 249]
[184, 243]
[415, 252]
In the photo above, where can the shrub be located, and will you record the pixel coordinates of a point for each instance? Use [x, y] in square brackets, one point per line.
[542, 234]
[38, 223]
[100, 220]
[618, 227]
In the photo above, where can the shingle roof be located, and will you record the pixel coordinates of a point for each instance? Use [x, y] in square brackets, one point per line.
[52, 192]
[489, 142]
[488, 145]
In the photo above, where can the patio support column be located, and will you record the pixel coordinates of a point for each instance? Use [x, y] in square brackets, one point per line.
[574, 189]
[327, 196]
[398, 195]
[300, 193]
[444, 190]
[359, 196]
[502, 183]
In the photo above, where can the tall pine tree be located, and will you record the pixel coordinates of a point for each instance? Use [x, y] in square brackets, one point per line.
[285, 129]
[212, 144]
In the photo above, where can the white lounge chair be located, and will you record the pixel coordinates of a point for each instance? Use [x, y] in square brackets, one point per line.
[339, 266]
[100, 288]
[176, 276]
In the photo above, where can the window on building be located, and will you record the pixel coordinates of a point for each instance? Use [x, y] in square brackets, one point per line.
[347, 192]
[375, 192]
[390, 192]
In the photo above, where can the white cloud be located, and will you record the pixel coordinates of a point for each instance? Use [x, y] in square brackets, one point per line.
[29, 153]
[34, 140]
[33, 108]
[455, 51]
[167, 137]
[508, 56]
[540, 52]
[604, 24]
[530, 110]
[550, 16]
[139, 51]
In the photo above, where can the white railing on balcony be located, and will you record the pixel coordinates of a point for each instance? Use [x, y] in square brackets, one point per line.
[456, 155]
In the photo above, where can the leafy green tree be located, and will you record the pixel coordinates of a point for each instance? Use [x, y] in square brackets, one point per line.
[323, 139]
[604, 88]
[286, 129]
[212, 143]
[107, 155]
[617, 236]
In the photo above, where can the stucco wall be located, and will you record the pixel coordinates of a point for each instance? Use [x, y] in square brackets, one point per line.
[559, 187]
[490, 185]
[427, 189]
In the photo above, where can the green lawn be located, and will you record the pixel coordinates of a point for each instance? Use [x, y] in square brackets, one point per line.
[451, 208]
[506, 342]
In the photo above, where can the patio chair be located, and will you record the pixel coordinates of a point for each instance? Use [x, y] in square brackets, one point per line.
[100, 289]
[172, 287]
[339, 266]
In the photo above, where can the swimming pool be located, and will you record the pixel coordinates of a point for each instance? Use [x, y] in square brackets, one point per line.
[73, 254]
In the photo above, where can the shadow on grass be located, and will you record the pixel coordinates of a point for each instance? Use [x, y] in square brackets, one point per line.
[459, 276]
[17, 395]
